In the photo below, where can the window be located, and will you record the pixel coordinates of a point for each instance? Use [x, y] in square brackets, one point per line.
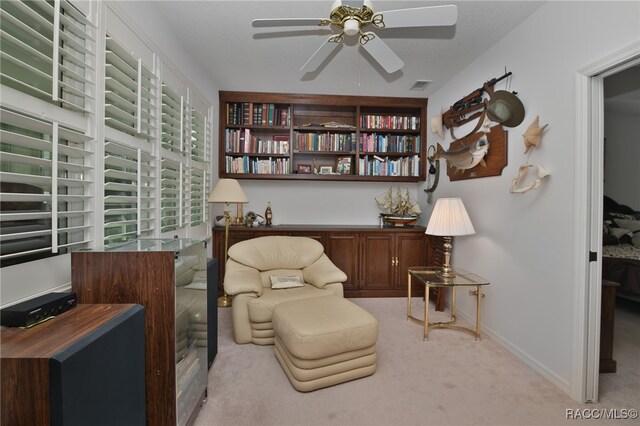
[44, 170]
[47, 49]
[60, 187]
[129, 166]
[171, 185]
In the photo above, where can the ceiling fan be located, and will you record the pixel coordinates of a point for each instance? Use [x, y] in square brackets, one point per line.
[352, 18]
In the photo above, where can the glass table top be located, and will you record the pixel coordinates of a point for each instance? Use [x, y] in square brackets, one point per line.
[428, 275]
[154, 244]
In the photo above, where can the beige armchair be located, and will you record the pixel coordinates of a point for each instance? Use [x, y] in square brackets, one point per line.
[254, 264]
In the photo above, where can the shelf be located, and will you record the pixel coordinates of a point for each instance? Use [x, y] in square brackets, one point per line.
[330, 127]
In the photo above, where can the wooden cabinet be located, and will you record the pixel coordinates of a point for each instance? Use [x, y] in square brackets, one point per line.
[167, 277]
[83, 367]
[374, 259]
[322, 137]
[342, 249]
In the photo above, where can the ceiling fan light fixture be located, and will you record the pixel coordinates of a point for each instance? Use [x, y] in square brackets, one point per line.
[351, 27]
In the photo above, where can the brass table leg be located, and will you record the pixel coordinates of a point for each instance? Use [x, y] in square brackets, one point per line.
[477, 313]
[453, 303]
[426, 312]
[409, 298]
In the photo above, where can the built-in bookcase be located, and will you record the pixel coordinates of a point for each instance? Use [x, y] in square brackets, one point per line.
[322, 137]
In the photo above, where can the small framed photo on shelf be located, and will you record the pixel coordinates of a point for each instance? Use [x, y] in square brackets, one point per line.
[304, 169]
[343, 165]
[326, 170]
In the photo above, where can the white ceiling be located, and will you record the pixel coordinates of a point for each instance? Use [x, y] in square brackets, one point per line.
[239, 57]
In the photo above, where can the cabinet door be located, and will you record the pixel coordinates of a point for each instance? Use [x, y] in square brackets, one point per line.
[342, 249]
[378, 265]
[411, 251]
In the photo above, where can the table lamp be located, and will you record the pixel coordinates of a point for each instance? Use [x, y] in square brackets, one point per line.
[449, 218]
[227, 191]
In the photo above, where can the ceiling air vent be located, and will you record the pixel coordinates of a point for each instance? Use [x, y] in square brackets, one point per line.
[420, 84]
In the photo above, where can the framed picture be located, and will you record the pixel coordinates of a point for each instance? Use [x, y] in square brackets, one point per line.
[304, 169]
[326, 170]
[343, 165]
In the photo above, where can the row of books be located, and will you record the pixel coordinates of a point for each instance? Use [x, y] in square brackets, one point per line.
[405, 166]
[243, 141]
[396, 122]
[372, 142]
[324, 141]
[244, 164]
[255, 114]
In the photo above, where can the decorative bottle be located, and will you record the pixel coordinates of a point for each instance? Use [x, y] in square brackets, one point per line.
[268, 215]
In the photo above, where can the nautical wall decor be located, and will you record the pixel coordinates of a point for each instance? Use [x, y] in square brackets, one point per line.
[532, 139]
[493, 161]
[483, 151]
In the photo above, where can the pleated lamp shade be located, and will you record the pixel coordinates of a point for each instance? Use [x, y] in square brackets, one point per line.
[449, 218]
[227, 191]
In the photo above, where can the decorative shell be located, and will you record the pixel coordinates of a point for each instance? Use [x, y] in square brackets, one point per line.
[533, 135]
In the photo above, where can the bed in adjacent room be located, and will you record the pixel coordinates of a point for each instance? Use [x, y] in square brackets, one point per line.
[621, 248]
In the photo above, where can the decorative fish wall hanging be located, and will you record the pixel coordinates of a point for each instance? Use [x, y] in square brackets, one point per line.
[466, 157]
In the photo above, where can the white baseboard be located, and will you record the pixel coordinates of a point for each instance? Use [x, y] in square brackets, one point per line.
[519, 353]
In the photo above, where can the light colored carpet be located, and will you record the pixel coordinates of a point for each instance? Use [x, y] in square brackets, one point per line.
[449, 380]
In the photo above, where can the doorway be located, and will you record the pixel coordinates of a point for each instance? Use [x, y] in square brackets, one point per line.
[589, 195]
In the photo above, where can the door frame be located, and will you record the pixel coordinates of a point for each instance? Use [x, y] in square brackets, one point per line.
[589, 149]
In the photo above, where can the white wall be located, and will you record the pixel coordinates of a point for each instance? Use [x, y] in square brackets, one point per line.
[525, 242]
[622, 157]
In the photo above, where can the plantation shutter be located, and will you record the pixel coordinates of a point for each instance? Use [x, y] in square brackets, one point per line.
[170, 204]
[44, 181]
[47, 50]
[200, 141]
[128, 193]
[130, 93]
[172, 120]
[197, 196]
[132, 121]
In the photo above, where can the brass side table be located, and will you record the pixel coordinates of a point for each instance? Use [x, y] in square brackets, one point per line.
[428, 276]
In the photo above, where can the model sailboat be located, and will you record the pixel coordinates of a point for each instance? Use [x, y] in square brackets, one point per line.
[398, 208]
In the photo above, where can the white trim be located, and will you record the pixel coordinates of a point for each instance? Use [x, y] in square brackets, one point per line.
[515, 350]
[56, 50]
[586, 293]
[54, 187]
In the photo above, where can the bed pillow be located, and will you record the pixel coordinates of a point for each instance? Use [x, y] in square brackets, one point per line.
[290, 281]
[630, 224]
[624, 236]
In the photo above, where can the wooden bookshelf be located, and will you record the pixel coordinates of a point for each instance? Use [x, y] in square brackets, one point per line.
[283, 136]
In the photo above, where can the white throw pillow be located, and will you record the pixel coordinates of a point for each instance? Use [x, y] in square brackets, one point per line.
[285, 282]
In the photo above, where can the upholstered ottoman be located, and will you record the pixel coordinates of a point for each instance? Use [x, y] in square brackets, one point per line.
[324, 341]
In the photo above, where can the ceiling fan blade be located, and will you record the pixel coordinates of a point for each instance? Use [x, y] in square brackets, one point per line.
[420, 17]
[356, 4]
[287, 22]
[320, 55]
[382, 53]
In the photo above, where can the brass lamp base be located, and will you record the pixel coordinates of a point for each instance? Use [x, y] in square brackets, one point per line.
[224, 301]
[447, 270]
